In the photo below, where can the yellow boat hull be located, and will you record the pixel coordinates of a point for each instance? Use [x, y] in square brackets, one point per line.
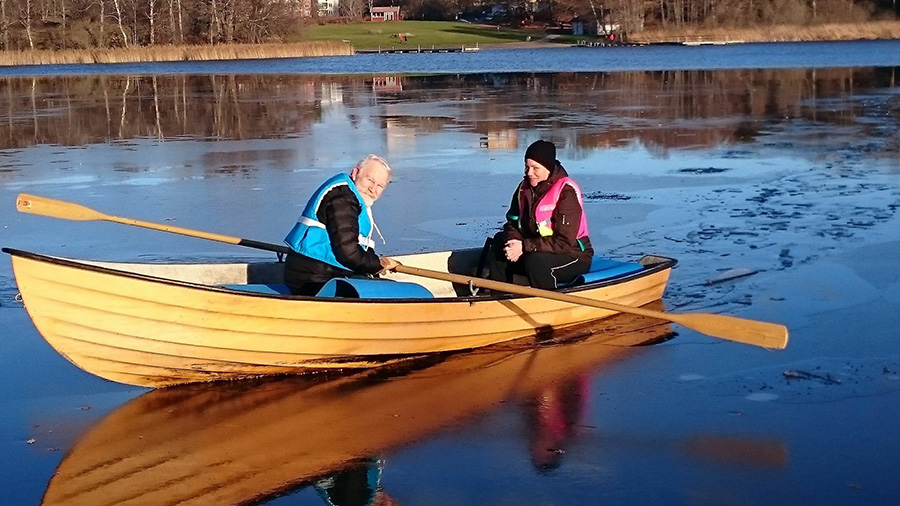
[166, 325]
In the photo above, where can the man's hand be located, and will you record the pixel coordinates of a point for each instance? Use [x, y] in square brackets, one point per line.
[513, 250]
[387, 264]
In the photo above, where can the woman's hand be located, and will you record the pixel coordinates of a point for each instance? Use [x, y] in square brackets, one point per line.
[513, 250]
[387, 264]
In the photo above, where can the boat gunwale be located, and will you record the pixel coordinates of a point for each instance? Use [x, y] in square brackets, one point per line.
[664, 264]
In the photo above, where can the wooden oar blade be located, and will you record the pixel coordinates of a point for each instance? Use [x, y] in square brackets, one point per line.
[33, 204]
[732, 328]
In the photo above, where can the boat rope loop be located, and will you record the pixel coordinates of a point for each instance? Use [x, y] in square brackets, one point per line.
[18, 297]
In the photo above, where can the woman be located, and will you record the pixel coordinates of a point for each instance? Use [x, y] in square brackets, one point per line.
[545, 237]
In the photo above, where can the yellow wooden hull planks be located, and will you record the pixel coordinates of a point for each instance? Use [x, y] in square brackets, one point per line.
[157, 325]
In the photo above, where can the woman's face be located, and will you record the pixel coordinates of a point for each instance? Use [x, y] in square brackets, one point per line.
[535, 172]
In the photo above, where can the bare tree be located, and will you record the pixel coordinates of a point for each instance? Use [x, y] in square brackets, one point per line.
[118, 17]
[4, 24]
[354, 9]
[25, 19]
[180, 23]
[151, 19]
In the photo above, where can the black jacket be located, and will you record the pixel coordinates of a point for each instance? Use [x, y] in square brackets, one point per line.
[339, 211]
[566, 219]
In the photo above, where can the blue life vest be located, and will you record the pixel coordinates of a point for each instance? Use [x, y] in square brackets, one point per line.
[309, 237]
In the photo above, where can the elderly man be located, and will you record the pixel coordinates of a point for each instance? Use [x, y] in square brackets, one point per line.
[333, 237]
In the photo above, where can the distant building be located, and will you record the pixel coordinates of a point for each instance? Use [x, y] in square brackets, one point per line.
[507, 138]
[582, 26]
[391, 13]
[602, 22]
[328, 8]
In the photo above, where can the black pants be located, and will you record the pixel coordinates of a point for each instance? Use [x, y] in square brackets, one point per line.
[306, 276]
[538, 269]
[310, 289]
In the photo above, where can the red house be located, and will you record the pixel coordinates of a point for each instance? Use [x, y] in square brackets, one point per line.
[385, 13]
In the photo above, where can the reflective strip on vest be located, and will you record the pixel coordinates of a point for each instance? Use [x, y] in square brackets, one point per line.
[309, 222]
[365, 241]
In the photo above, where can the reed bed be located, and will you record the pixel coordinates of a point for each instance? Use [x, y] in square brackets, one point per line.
[176, 53]
[872, 30]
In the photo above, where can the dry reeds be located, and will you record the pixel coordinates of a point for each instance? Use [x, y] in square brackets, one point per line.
[872, 30]
[175, 53]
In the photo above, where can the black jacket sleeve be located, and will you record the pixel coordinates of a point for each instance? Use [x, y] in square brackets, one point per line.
[339, 211]
[511, 227]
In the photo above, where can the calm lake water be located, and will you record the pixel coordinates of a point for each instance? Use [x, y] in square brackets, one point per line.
[779, 161]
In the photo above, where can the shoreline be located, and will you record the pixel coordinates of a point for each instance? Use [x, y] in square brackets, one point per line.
[880, 30]
[150, 54]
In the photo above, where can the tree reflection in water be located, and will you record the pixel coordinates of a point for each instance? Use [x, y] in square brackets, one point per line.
[659, 109]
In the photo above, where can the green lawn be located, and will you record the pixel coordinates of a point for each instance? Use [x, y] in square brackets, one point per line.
[425, 33]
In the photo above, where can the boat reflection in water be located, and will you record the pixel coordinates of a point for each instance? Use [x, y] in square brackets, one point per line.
[247, 441]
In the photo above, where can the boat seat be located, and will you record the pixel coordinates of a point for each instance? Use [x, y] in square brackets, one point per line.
[271, 289]
[604, 268]
[365, 288]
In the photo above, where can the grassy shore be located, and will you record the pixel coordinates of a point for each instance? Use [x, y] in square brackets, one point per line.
[873, 30]
[416, 33]
[176, 53]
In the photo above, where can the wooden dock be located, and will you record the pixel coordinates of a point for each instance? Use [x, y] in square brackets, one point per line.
[420, 49]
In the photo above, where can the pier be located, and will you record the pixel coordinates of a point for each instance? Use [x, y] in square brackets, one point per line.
[420, 49]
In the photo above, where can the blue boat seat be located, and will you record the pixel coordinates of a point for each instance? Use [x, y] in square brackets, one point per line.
[365, 288]
[355, 288]
[271, 289]
[604, 268]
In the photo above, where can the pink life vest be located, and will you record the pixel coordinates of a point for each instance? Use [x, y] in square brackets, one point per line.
[543, 212]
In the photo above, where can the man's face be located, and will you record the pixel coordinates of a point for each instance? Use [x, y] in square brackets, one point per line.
[371, 179]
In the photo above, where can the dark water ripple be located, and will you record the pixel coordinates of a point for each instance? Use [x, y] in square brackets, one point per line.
[9, 293]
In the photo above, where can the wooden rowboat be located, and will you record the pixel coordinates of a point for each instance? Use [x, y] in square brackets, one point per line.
[157, 325]
[244, 442]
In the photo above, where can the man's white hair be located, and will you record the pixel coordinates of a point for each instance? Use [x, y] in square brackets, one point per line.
[374, 158]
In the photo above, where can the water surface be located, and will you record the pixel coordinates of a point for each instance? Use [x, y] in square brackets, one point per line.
[788, 173]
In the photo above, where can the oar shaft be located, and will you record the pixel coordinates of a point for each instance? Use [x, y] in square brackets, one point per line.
[173, 230]
[199, 234]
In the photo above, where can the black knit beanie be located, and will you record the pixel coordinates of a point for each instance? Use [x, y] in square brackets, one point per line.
[543, 152]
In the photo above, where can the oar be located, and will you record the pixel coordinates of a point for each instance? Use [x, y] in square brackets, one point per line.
[44, 206]
[767, 335]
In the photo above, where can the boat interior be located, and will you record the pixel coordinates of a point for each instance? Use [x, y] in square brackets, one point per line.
[266, 277]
